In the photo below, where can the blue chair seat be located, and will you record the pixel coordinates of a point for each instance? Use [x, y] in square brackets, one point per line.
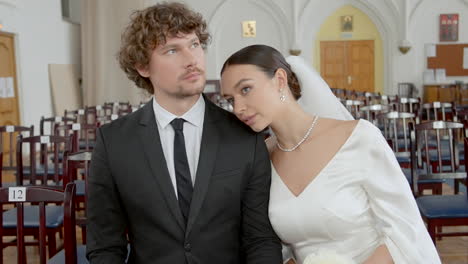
[40, 171]
[91, 143]
[8, 184]
[80, 187]
[403, 159]
[54, 217]
[59, 258]
[443, 206]
[407, 173]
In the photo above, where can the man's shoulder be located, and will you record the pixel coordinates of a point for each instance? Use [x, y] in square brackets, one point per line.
[229, 121]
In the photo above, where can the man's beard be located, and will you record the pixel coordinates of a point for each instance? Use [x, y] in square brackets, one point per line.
[184, 92]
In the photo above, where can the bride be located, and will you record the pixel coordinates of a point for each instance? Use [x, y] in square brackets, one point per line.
[336, 184]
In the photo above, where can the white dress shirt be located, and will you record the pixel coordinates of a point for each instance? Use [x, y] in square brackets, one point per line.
[193, 129]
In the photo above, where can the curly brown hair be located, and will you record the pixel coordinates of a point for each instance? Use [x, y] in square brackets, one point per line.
[149, 28]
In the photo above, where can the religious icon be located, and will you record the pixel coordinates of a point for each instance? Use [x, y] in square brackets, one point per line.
[249, 29]
[448, 27]
[346, 23]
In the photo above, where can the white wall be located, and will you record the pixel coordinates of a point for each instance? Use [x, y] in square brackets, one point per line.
[42, 37]
[424, 29]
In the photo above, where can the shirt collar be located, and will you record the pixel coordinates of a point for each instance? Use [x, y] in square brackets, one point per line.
[193, 116]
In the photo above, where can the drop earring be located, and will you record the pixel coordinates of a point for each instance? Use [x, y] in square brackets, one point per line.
[282, 95]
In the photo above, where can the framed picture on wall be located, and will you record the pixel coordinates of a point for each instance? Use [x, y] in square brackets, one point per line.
[346, 23]
[448, 27]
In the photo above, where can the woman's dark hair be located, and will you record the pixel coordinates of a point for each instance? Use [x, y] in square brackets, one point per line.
[268, 60]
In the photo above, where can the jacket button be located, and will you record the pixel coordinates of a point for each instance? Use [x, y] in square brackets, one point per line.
[188, 247]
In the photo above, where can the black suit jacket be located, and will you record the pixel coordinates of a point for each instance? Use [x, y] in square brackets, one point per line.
[129, 189]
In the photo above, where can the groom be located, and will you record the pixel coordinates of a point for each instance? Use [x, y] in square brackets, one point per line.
[180, 180]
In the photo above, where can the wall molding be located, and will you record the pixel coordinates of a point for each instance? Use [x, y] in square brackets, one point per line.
[219, 16]
[382, 21]
[10, 3]
[282, 22]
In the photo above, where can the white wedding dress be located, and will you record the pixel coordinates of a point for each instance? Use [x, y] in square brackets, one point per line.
[358, 201]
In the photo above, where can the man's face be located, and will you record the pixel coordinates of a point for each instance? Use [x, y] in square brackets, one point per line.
[177, 67]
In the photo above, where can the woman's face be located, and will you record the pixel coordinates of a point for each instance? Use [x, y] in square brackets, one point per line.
[254, 96]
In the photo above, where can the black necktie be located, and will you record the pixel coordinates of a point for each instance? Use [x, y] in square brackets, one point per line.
[182, 169]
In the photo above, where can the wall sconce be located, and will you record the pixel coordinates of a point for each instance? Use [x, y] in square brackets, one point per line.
[403, 49]
[295, 52]
[404, 46]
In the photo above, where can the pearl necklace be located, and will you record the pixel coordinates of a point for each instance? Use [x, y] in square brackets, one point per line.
[302, 140]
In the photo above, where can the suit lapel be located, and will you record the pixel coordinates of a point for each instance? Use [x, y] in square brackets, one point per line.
[206, 163]
[151, 142]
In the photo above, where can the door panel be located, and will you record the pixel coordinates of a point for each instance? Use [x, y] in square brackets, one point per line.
[9, 114]
[332, 66]
[361, 65]
[348, 64]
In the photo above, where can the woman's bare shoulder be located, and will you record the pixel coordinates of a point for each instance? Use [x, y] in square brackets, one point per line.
[345, 126]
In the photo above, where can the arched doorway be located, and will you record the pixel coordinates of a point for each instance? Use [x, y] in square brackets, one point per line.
[349, 51]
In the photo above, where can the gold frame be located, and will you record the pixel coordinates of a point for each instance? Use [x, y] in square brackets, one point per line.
[249, 29]
[347, 23]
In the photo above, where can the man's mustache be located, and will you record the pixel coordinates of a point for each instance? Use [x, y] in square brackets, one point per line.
[186, 74]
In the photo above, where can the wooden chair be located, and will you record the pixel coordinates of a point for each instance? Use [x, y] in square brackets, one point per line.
[409, 105]
[47, 175]
[444, 210]
[77, 164]
[437, 111]
[396, 131]
[53, 121]
[8, 147]
[353, 107]
[41, 195]
[37, 172]
[370, 112]
[433, 153]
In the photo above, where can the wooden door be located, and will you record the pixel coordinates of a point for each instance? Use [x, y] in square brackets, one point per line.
[348, 64]
[9, 114]
[332, 68]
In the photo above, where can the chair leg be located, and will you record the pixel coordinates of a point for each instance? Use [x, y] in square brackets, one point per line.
[83, 234]
[438, 189]
[52, 245]
[432, 230]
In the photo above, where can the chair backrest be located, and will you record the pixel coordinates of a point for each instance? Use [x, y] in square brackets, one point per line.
[436, 111]
[38, 170]
[435, 147]
[353, 107]
[78, 163]
[53, 121]
[42, 196]
[8, 145]
[371, 112]
[79, 115]
[408, 104]
[396, 131]
[70, 130]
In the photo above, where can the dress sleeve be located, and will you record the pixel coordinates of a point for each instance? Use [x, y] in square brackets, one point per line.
[394, 206]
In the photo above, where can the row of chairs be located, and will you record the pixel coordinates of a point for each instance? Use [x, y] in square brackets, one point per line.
[53, 161]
